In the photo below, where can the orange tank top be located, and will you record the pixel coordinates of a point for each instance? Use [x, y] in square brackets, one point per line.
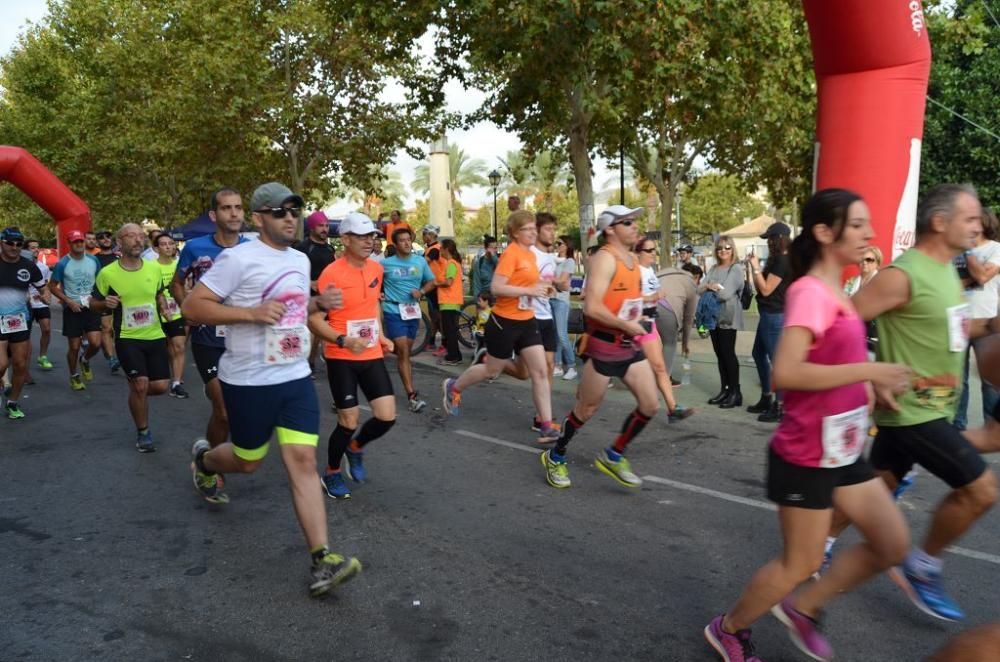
[623, 298]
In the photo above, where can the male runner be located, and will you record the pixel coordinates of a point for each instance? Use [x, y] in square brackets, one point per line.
[208, 341]
[90, 243]
[106, 255]
[354, 353]
[317, 248]
[923, 322]
[172, 321]
[546, 260]
[132, 288]
[612, 307]
[40, 311]
[432, 253]
[72, 283]
[406, 279]
[17, 274]
[260, 289]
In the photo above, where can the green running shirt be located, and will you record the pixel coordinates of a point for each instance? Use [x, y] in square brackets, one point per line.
[929, 334]
[136, 317]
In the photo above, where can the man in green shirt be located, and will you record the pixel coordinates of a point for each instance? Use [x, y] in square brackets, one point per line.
[923, 321]
[132, 288]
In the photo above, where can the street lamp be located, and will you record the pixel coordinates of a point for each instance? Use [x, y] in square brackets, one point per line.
[494, 182]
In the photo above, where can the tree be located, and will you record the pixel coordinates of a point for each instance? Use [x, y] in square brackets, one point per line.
[965, 79]
[716, 202]
[463, 172]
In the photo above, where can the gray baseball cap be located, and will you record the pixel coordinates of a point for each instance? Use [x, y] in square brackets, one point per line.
[273, 195]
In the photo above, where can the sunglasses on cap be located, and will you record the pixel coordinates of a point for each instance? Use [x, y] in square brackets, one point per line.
[281, 212]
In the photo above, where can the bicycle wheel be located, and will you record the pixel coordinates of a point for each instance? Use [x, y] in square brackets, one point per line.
[423, 328]
[467, 326]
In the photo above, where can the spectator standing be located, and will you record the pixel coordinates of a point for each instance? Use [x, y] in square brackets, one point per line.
[726, 280]
[565, 358]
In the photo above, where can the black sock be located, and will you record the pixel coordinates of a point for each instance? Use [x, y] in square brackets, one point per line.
[372, 430]
[340, 438]
[569, 428]
[633, 425]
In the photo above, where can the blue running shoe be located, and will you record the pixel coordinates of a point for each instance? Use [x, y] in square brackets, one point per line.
[904, 484]
[355, 466]
[927, 593]
[144, 442]
[335, 486]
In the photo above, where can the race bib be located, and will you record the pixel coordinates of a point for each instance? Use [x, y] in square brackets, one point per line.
[286, 344]
[13, 323]
[220, 331]
[367, 329]
[85, 300]
[524, 303]
[844, 437]
[171, 308]
[409, 311]
[139, 317]
[958, 327]
[630, 310]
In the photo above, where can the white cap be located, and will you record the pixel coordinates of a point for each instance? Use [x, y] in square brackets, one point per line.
[432, 229]
[616, 213]
[356, 223]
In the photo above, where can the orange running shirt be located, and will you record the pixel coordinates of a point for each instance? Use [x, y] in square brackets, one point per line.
[359, 316]
[623, 298]
[519, 266]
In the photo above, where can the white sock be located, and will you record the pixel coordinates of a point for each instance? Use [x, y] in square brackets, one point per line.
[173, 384]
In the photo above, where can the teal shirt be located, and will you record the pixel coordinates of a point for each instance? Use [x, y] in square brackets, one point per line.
[77, 277]
[400, 277]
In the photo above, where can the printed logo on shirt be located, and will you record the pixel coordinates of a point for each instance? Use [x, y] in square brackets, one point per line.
[23, 275]
[374, 283]
[937, 392]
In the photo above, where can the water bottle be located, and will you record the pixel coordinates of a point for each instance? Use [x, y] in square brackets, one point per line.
[686, 375]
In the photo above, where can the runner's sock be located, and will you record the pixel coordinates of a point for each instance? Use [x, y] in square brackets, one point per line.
[319, 552]
[569, 428]
[370, 431]
[633, 425]
[340, 438]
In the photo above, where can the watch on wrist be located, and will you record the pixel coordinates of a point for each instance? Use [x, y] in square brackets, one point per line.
[340, 341]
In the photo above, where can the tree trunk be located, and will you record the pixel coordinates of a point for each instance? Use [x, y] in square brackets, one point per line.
[578, 134]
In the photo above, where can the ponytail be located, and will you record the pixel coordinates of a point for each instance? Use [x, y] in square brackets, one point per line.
[827, 207]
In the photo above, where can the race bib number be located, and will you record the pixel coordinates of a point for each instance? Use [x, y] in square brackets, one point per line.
[286, 345]
[409, 311]
[85, 300]
[139, 317]
[524, 303]
[630, 310]
[220, 331]
[958, 327]
[367, 329]
[13, 323]
[172, 309]
[844, 437]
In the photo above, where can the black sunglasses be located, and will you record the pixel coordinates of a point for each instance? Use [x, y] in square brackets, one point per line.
[13, 242]
[724, 248]
[280, 212]
[627, 223]
[869, 260]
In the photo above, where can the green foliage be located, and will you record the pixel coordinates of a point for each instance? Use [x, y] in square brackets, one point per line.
[716, 202]
[463, 172]
[965, 77]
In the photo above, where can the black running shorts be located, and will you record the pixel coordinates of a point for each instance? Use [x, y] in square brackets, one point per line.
[505, 336]
[810, 487]
[144, 358]
[547, 330]
[936, 446]
[617, 368]
[44, 313]
[175, 328]
[346, 376]
[206, 359]
[75, 325]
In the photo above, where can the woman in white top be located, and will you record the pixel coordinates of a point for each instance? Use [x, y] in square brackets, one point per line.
[645, 250]
[869, 266]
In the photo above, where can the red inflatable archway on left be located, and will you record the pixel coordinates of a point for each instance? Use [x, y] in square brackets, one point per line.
[37, 182]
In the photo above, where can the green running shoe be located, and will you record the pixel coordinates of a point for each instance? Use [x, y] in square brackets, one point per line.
[44, 363]
[620, 470]
[556, 472]
[330, 571]
[13, 410]
[88, 374]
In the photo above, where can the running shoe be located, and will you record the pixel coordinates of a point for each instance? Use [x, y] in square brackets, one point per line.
[732, 647]
[76, 383]
[178, 391]
[330, 571]
[356, 466]
[536, 425]
[415, 404]
[904, 484]
[452, 398]
[335, 486]
[440, 351]
[927, 593]
[570, 374]
[206, 484]
[549, 433]
[679, 413]
[803, 631]
[556, 472]
[619, 469]
[44, 363]
[115, 365]
[558, 371]
[480, 356]
[88, 374]
[450, 361]
[144, 442]
[13, 411]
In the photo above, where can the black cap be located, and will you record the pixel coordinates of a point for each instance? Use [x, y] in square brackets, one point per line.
[778, 229]
[687, 248]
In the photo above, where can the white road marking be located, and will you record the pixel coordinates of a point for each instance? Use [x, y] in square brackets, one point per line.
[697, 489]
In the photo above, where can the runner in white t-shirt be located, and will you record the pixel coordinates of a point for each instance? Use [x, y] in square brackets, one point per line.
[41, 314]
[260, 290]
[546, 261]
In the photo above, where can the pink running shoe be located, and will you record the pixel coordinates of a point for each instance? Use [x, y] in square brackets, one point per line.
[803, 631]
[731, 647]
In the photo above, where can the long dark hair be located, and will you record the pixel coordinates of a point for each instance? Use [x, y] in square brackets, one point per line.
[827, 207]
[568, 242]
[452, 248]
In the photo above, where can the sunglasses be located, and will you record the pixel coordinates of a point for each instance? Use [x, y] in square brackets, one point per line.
[724, 248]
[869, 260]
[627, 223]
[281, 212]
[13, 242]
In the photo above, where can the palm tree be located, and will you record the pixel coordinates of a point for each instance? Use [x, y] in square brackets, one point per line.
[550, 173]
[462, 170]
[517, 174]
[384, 186]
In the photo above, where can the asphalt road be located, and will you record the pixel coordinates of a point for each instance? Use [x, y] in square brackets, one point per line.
[107, 554]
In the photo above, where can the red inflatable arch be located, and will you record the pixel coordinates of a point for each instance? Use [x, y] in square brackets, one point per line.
[872, 60]
[27, 173]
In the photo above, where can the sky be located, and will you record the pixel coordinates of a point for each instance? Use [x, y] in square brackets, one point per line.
[483, 140]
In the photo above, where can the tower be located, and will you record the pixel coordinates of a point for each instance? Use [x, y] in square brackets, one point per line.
[440, 200]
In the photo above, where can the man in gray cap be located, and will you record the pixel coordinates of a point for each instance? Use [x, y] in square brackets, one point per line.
[260, 290]
[684, 254]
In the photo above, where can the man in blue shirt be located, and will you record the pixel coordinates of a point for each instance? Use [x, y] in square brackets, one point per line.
[406, 280]
[209, 342]
[72, 283]
[17, 274]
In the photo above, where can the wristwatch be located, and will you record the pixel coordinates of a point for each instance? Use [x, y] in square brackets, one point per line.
[340, 341]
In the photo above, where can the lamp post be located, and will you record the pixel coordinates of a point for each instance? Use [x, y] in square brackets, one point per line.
[494, 177]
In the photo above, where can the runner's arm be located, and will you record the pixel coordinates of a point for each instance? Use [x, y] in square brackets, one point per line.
[981, 273]
[888, 290]
[203, 306]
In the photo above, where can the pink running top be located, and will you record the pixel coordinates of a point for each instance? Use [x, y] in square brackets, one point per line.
[824, 428]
